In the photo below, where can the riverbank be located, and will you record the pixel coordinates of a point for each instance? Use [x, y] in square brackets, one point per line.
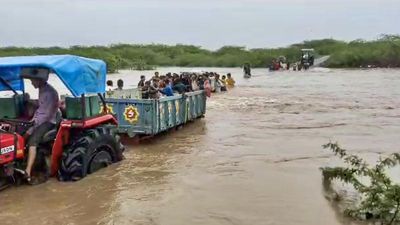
[383, 52]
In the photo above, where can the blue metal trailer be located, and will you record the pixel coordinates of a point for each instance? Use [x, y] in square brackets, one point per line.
[152, 116]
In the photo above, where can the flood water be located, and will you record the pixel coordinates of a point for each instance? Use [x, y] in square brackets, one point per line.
[254, 159]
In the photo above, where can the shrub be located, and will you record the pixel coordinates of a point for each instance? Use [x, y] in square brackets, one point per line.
[380, 196]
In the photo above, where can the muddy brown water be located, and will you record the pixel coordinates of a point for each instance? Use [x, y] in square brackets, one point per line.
[254, 159]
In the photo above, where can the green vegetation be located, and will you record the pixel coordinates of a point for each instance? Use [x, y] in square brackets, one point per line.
[383, 52]
[380, 195]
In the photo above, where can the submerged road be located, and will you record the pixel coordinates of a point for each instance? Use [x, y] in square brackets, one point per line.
[254, 159]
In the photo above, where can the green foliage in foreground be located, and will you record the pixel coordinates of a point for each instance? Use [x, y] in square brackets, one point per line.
[383, 52]
[380, 196]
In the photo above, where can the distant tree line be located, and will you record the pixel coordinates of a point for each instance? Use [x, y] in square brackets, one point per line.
[382, 52]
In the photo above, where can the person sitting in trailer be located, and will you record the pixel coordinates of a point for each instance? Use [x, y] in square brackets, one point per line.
[179, 86]
[156, 75]
[145, 90]
[45, 116]
[142, 81]
[154, 90]
[201, 82]
[195, 83]
[120, 85]
[187, 82]
[110, 91]
[167, 90]
[161, 83]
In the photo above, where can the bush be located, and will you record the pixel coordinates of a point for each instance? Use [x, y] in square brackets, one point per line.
[380, 196]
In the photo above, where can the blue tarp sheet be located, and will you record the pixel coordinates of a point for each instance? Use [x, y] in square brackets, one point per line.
[80, 75]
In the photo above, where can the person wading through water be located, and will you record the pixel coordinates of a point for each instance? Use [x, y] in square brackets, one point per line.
[230, 81]
[247, 70]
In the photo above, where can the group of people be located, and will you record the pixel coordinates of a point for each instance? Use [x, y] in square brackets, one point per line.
[280, 63]
[171, 83]
[120, 85]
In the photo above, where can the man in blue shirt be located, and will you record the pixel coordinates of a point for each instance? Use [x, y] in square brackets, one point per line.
[168, 89]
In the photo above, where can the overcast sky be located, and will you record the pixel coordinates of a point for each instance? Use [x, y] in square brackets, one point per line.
[207, 23]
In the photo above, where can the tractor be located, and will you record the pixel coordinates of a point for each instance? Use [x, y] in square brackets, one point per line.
[82, 143]
[307, 58]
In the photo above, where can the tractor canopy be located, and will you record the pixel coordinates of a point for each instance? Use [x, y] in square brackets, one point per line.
[80, 75]
[309, 51]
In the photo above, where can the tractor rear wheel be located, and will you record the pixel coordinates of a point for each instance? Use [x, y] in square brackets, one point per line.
[92, 150]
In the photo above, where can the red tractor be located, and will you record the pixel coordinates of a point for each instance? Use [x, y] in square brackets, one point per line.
[82, 143]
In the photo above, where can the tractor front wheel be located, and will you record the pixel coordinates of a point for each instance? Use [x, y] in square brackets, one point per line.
[91, 151]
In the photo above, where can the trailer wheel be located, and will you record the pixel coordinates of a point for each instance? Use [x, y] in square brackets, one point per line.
[91, 151]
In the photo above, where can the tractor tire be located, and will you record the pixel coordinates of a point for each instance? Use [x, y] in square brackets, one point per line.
[89, 152]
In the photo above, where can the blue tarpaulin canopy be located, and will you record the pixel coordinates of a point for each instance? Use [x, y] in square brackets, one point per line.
[80, 75]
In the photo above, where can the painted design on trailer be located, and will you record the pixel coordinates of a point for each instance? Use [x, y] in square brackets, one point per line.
[162, 111]
[109, 109]
[177, 105]
[131, 114]
[169, 108]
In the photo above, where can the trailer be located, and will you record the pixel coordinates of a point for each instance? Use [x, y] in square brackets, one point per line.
[148, 117]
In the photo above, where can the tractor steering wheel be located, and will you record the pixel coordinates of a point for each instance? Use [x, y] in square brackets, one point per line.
[15, 125]
[16, 122]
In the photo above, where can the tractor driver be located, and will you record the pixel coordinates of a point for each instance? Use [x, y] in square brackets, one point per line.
[44, 118]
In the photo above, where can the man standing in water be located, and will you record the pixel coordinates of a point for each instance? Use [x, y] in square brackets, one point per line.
[247, 70]
[44, 118]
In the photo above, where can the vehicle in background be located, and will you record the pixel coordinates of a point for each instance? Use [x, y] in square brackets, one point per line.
[307, 58]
